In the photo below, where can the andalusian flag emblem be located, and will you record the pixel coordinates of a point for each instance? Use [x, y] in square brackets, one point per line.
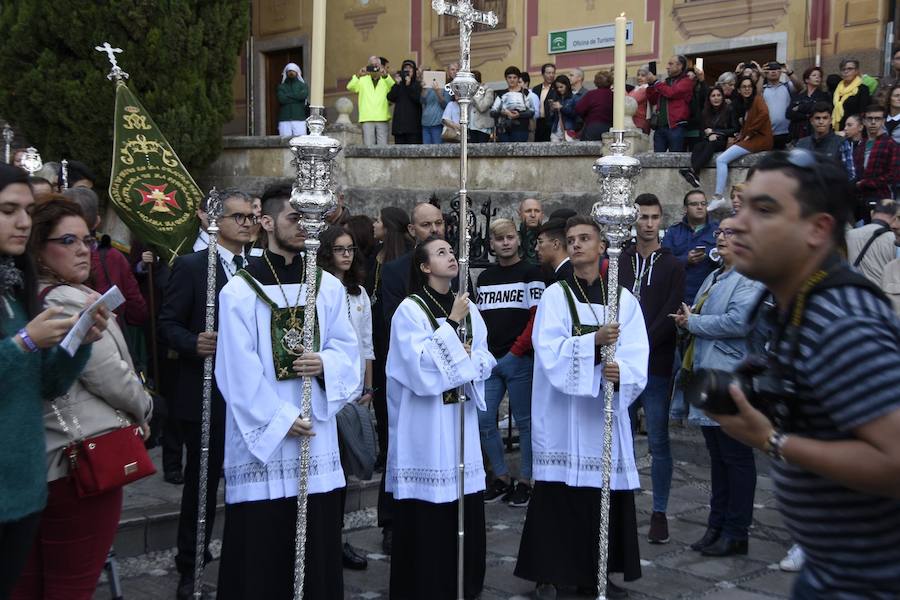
[152, 191]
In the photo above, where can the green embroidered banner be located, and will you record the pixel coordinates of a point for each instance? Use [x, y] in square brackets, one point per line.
[149, 187]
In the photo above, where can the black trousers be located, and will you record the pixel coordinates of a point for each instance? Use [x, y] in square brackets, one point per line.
[542, 130]
[703, 152]
[258, 549]
[16, 538]
[187, 520]
[479, 137]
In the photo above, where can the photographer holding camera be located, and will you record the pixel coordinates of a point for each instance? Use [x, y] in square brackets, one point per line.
[372, 84]
[823, 400]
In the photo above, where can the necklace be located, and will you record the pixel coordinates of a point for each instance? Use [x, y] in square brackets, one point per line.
[427, 293]
[588, 302]
[377, 281]
[646, 267]
[292, 340]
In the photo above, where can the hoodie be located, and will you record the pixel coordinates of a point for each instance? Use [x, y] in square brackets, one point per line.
[660, 294]
[407, 101]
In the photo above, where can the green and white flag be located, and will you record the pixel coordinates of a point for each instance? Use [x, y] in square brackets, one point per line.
[151, 190]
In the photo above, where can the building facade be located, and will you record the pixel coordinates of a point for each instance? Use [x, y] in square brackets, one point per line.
[568, 33]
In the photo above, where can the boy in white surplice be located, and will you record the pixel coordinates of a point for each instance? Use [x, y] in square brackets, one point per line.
[560, 540]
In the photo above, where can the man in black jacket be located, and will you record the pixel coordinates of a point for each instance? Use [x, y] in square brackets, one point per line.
[182, 324]
[407, 98]
[656, 278]
[546, 92]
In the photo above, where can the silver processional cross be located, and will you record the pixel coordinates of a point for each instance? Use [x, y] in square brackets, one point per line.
[116, 72]
[468, 16]
[464, 87]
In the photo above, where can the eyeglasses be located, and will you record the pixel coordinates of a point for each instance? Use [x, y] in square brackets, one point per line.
[69, 239]
[848, 69]
[242, 218]
[697, 203]
[343, 250]
[806, 160]
[727, 232]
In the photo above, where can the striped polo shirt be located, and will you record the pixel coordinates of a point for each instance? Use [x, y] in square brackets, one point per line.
[847, 372]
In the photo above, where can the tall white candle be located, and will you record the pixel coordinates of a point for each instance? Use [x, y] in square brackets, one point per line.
[619, 75]
[317, 63]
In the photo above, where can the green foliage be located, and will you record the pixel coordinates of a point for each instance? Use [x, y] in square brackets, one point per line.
[180, 55]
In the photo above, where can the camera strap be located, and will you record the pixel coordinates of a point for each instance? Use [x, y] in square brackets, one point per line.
[833, 273]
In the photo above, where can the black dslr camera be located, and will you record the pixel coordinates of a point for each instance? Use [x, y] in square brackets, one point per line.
[759, 378]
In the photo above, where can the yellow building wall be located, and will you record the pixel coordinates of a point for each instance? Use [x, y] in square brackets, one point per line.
[400, 29]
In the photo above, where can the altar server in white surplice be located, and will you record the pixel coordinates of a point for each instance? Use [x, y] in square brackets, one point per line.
[559, 544]
[259, 364]
[426, 364]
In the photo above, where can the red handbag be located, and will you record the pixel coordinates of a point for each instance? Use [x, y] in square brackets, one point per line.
[108, 461]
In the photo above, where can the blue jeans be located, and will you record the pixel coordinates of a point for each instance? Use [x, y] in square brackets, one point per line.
[655, 400]
[512, 373]
[515, 135]
[722, 160]
[672, 139]
[678, 410]
[431, 134]
[733, 483]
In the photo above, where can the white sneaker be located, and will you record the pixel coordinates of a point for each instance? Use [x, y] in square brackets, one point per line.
[718, 201]
[793, 562]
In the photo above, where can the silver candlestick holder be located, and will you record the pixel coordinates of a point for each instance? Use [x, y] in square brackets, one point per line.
[31, 161]
[312, 197]
[615, 213]
[8, 136]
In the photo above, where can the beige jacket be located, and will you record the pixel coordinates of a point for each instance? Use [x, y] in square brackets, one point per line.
[890, 283]
[107, 384]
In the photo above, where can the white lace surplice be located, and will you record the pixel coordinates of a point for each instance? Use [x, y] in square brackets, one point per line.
[422, 363]
[261, 459]
[567, 393]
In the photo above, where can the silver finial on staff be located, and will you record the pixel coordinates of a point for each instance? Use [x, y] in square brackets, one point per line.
[312, 197]
[31, 161]
[215, 207]
[615, 213]
[116, 73]
[64, 174]
[464, 87]
[8, 136]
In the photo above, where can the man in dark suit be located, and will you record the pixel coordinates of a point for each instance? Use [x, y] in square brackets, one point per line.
[182, 325]
[546, 92]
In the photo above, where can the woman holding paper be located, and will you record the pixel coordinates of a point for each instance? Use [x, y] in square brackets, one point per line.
[76, 530]
[30, 367]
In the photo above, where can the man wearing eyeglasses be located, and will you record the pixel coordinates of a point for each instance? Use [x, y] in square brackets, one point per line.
[832, 346]
[691, 241]
[182, 326]
[877, 162]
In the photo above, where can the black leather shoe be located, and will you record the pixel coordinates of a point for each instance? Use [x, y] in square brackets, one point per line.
[353, 559]
[725, 546]
[710, 537]
[185, 590]
[614, 591]
[387, 540]
[173, 477]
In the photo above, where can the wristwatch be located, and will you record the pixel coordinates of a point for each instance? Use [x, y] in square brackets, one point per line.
[775, 443]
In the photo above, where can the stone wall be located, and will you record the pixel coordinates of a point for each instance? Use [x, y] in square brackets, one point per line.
[559, 174]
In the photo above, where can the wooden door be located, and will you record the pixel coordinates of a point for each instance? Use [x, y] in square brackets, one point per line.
[275, 62]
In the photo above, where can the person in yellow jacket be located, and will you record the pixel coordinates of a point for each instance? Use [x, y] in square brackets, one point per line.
[372, 84]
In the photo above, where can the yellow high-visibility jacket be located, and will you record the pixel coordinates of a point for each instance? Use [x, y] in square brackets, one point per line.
[372, 99]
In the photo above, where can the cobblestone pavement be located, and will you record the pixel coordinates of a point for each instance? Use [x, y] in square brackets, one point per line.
[669, 571]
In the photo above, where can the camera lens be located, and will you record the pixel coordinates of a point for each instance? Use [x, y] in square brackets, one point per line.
[708, 390]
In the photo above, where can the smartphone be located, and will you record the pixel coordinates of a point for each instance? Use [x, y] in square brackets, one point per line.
[652, 67]
[371, 69]
[699, 248]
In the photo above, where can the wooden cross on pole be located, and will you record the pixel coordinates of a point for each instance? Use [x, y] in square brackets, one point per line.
[467, 16]
[115, 73]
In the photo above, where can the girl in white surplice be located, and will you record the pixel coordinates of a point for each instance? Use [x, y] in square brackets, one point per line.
[426, 364]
